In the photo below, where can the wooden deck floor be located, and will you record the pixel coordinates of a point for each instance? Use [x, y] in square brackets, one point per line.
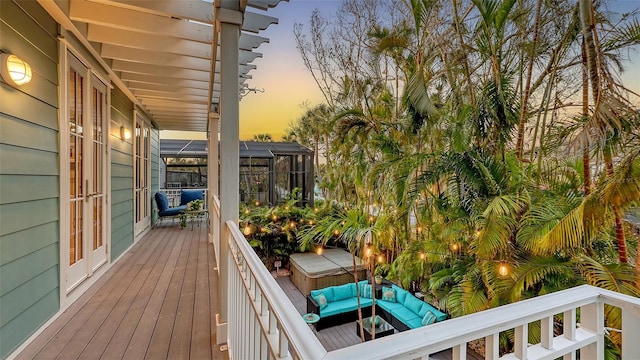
[158, 302]
[341, 336]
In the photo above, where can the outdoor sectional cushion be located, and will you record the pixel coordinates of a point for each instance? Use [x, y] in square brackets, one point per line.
[408, 309]
[343, 306]
[341, 298]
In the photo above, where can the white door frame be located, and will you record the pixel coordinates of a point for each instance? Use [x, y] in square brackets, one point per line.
[142, 202]
[70, 288]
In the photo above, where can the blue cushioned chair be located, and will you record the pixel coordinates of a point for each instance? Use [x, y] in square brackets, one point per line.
[163, 206]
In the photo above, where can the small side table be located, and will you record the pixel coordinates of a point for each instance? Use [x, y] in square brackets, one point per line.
[311, 319]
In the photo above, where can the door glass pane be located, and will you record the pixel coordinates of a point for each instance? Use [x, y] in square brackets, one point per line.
[76, 143]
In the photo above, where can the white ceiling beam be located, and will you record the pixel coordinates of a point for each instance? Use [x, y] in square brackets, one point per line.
[127, 38]
[154, 57]
[254, 22]
[250, 41]
[176, 113]
[263, 4]
[121, 18]
[156, 87]
[185, 9]
[184, 92]
[173, 103]
[173, 111]
[245, 57]
[176, 97]
[150, 79]
[158, 70]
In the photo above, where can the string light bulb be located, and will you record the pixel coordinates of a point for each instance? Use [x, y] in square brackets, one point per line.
[319, 250]
[421, 255]
[380, 259]
[455, 246]
[247, 230]
[368, 251]
[503, 269]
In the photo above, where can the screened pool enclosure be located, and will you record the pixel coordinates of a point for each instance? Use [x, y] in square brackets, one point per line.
[269, 171]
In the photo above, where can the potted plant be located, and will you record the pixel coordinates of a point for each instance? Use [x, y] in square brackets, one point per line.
[378, 279]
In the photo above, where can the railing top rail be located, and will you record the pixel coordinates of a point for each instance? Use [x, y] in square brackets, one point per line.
[444, 335]
[216, 204]
[297, 331]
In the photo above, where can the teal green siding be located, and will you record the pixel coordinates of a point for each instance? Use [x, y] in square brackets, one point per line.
[29, 177]
[121, 176]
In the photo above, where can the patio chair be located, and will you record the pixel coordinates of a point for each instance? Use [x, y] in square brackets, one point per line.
[163, 207]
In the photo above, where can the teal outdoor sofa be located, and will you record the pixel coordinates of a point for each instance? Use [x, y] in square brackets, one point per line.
[338, 304]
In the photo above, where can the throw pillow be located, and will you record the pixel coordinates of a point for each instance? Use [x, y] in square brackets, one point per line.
[367, 291]
[428, 318]
[388, 294]
[321, 300]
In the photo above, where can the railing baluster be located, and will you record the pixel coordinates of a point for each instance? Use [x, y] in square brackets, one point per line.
[492, 347]
[546, 332]
[521, 339]
[592, 319]
[460, 352]
[630, 330]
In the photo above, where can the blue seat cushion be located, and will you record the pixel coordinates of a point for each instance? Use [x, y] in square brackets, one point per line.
[343, 292]
[174, 211]
[343, 306]
[389, 306]
[327, 292]
[414, 323]
[186, 196]
[405, 315]
[412, 303]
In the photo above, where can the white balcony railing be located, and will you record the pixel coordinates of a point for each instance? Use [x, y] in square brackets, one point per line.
[263, 324]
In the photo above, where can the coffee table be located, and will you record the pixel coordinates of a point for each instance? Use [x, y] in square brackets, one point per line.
[382, 329]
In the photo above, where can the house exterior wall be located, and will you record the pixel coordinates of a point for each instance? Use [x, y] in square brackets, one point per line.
[29, 177]
[121, 175]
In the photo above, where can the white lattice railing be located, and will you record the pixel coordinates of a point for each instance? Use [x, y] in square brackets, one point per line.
[263, 324]
[173, 195]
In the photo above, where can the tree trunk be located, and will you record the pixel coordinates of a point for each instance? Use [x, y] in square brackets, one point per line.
[620, 236]
[586, 158]
[355, 280]
[527, 88]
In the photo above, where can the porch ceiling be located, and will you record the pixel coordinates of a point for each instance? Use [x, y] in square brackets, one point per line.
[163, 52]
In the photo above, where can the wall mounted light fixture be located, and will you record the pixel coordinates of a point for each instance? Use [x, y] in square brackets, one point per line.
[125, 134]
[14, 69]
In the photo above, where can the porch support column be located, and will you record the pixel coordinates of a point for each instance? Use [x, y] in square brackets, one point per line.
[230, 21]
[213, 182]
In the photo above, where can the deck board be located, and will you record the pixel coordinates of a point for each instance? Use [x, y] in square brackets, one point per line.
[157, 302]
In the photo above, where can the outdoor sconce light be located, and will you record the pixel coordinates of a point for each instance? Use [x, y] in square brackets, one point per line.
[15, 69]
[125, 134]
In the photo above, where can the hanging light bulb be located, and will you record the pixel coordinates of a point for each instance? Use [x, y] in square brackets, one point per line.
[368, 251]
[455, 247]
[246, 211]
[421, 255]
[419, 229]
[336, 232]
[503, 269]
[380, 258]
[247, 230]
[319, 250]
[257, 203]
[274, 217]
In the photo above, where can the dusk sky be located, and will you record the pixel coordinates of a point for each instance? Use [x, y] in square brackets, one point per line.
[287, 85]
[281, 73]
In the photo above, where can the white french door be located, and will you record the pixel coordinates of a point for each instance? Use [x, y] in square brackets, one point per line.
[142, 196]
[86, 132]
